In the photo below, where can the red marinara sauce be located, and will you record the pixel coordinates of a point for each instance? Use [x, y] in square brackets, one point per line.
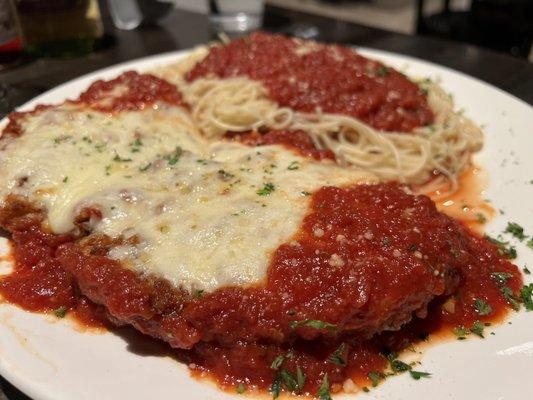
[307, 76]
[130, 91]
[39, 283]
[296, 140]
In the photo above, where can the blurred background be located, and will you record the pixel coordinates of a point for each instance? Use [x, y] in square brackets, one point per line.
[44, 43]
[67, 28]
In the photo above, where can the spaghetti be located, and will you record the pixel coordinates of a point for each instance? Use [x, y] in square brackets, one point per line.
[428, 157]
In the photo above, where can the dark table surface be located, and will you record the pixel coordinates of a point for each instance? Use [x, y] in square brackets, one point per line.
[181, 30]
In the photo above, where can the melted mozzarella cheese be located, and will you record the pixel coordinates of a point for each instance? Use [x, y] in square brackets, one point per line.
[203, 215]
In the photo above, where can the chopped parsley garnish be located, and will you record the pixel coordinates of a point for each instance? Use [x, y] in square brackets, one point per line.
[383, 71]
[375, 377]
[107, 170]
[145, 167]
[174, 157]
[199, 294]
[293, 384]
[304, 193]
[516, 230]
[275, 388]
[293, 165]
[510, 297]
[530, 243]
[300, 379]
[277, 362]
[266, 189]
[99, 147]
[460, 332]
[313, 323]
[65, 179]
[241, 388]
[526, 271]
[87, 139]
[60, 312]
[396, 365]
[481, 218]
[339, 356]
[225, 174]
[419, 374]
[136, 145]
[477, 329]
[202, 161]
[481, 307]
[526, 294]
[509, 252]
[60, 139]
[117, 158]
[365, 389]
[399, 366]
[501, 277]
[323, 390]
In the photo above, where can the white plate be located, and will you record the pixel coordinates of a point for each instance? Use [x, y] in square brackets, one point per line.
[50, 359]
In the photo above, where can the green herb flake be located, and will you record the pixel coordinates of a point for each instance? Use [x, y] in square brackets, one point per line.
[460, 332]
[304, 193]
[526, 270]
[503, 248]
[477, 329]
[339, 356]
[144, 168]
[275, 388]
[481, 218]
[266, 190]
[60, 139]
[117, 158]
[526, 295]
[65, 179]
[365, 389]
[277, 362]
[199, 294]
[293, 166]
[416, 375]
[99, 147]
[313, 323]
[300, 379]
[399, 366]
[289, 381]
[175, 156]
[375, 377]
[530, 243]
[225, 174]
[383, 71]
[323, 390]
[501, 277]
[241, 388]
[511, 298]
[60, 312]
[481, 307]
[516, 230]
[136, 144]
[108, 170]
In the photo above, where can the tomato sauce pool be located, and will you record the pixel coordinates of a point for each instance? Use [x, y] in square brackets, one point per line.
[307, 76]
